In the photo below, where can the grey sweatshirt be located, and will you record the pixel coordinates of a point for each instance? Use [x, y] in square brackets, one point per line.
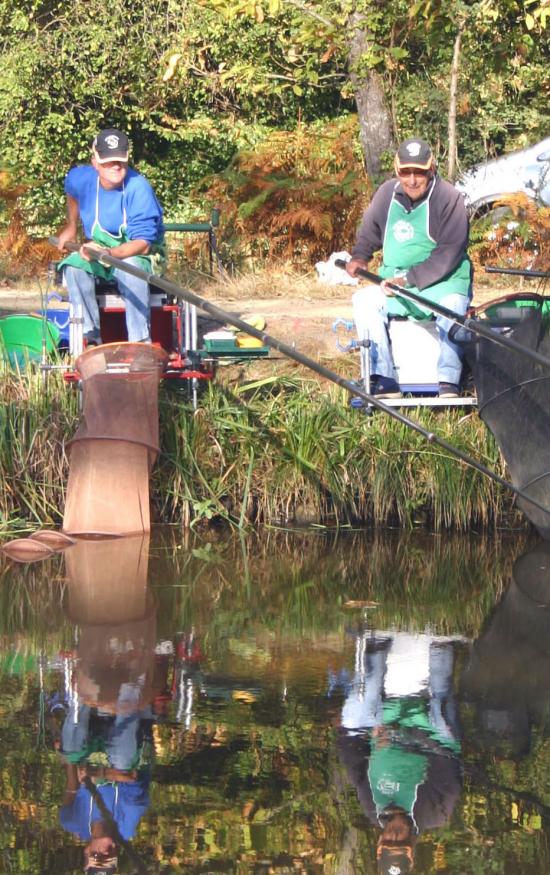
[447, 226]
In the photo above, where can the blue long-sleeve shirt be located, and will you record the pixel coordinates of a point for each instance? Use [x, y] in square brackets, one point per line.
[127, 803]
[135, 202]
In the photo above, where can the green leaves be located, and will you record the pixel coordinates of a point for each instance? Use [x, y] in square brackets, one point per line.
[194, 82]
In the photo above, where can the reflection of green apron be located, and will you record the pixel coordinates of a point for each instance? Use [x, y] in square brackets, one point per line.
[407, 242]
[395, 775]
[154, 262]
[396, 769]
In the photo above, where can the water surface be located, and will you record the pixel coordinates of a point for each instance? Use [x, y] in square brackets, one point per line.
[285, 703]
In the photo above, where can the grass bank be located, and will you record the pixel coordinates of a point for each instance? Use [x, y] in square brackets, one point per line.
[282, 451]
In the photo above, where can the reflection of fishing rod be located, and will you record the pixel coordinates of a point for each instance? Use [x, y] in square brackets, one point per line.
[103, 257]
[466, 321]
[516, 271]
[107, 816]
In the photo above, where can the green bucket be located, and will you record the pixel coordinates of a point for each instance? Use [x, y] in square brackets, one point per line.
[21, 338]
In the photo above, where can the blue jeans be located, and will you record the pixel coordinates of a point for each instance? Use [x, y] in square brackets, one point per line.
[120, 736]
[134, 291]
[371, 320]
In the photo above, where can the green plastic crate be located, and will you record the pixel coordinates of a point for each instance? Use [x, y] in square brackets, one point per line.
[221, 347]
[229, 349]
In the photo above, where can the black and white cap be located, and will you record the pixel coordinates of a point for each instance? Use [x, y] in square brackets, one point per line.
[414, 153]
[111, 145]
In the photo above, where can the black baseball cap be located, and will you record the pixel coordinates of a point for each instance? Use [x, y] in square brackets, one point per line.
[394, 861]
[414, 153]
[96, 867]
[111, 145]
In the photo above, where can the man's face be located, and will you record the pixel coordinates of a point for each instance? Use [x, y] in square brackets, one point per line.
[111, 173]
[100, 851]
[414, 182]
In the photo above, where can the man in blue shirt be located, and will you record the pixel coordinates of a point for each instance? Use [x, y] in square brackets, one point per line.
[118, 210]
[104, 816]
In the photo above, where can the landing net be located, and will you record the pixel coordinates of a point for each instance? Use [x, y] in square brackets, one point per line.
[514, 397]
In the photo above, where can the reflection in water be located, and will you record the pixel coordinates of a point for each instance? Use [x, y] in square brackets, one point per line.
[186, 690]
[105, 737]
[398, 739]
[508, 675]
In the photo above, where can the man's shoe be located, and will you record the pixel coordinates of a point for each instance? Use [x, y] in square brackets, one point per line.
[448, 390]
[384, 387]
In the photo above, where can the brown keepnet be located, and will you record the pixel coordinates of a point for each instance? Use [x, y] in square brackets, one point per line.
[117, 440]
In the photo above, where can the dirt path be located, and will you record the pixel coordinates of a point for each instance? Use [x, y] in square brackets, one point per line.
[305, 320]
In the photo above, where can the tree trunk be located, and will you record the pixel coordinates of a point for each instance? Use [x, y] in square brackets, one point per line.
[375, 124]
[453, 91]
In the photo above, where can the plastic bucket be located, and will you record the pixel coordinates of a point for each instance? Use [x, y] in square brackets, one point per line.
[21, 338]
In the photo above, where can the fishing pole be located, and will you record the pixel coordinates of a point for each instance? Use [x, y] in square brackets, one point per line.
[466, 321]
[103, 257]
[516, 271]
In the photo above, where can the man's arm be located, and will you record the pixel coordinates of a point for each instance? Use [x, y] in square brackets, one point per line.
[370, 235]
[70, 230]
[72, 784]
[449, 228]
[144, 213]
[125, 250]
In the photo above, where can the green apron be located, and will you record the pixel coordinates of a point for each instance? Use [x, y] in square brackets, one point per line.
[407, 242]
[154, 262]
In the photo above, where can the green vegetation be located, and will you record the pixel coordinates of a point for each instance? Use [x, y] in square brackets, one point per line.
[282, 451]
[290, 451]
[196, 84]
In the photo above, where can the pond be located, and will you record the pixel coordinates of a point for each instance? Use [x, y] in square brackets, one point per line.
[290, 702]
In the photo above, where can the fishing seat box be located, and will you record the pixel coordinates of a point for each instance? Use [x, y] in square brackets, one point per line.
[415, 347]
[112, 318]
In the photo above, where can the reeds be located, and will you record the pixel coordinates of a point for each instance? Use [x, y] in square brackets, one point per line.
[290, 451]
[37, 415]
[285, 451]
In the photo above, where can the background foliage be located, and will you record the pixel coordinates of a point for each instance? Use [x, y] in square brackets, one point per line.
[200, 86]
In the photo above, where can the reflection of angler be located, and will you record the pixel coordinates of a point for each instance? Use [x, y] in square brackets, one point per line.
[106, 735]
[109, 599]
[398, 739]
[401, 667]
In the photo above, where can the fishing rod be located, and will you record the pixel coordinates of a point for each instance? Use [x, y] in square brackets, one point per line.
[466, 321]
[516, 271]
[103, 257]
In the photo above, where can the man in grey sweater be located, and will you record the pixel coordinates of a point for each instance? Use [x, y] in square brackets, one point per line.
[419, 222]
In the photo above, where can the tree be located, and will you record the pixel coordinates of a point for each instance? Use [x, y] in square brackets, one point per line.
[375, 122]
[488, 46]
[357, 34]
[193, 83]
